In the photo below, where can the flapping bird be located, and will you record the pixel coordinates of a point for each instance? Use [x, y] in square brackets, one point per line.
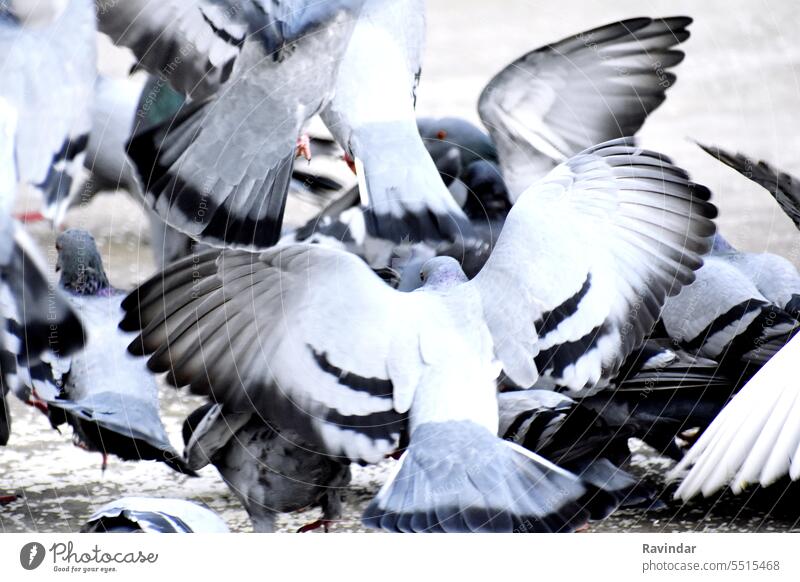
[256, 71]
[108, 397]
[577, 278]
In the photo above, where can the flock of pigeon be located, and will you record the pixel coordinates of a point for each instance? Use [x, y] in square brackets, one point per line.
[500, 309]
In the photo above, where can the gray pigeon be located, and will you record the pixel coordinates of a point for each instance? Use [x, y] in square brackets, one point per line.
[576, 279]
[734, 313]
[108, 397]
[575, 438]
[47, 71]
[756, 438]
[270, 471]
[153, 515]
[219, 170]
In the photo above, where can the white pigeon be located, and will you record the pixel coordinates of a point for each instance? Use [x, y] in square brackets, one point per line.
[309, 336]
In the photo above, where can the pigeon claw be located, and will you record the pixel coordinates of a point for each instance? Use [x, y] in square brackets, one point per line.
[320, 523]
[304, 147]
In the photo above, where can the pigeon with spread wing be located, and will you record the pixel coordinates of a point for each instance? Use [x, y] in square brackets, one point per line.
[309, 336]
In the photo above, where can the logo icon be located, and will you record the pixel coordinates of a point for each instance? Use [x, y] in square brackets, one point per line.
[31, 555]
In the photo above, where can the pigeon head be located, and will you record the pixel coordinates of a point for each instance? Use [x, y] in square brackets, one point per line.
[441, 273]
[80, 264]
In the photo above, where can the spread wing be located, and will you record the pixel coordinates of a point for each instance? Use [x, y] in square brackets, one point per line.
[585, 260]
[194, 44]
[783, 187]
[220, 170]
[303, 334]
[595, 86]
[756, 437]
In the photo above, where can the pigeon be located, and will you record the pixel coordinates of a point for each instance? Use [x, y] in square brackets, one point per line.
[34, 318]
[219, 170]
[774, 276]
[578, 439]
[591, 250]
[125, 107]
[595, 86]
[47, 75]
[663, 396]
[372, 117]
[108, 397]
[725, 316]
[154, 515]
[755, 439]
[270, 471]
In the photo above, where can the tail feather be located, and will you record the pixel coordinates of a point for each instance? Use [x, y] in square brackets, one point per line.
[458, 477]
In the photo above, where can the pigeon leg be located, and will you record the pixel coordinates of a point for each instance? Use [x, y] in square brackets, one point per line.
[350, 162]
[304, 147]
[104, 464]
[30, 216]
[6, 499]
[36, 402]
[320, 523]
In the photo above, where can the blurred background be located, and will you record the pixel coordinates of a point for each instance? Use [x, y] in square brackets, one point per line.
[739, 88]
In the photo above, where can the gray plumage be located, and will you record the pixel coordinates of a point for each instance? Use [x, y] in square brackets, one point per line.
[220, 170]
[106, 395]
[724, 315]
[573, 437]
[372, 116]
[270, 471]
[585, 89]
[576, 279]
